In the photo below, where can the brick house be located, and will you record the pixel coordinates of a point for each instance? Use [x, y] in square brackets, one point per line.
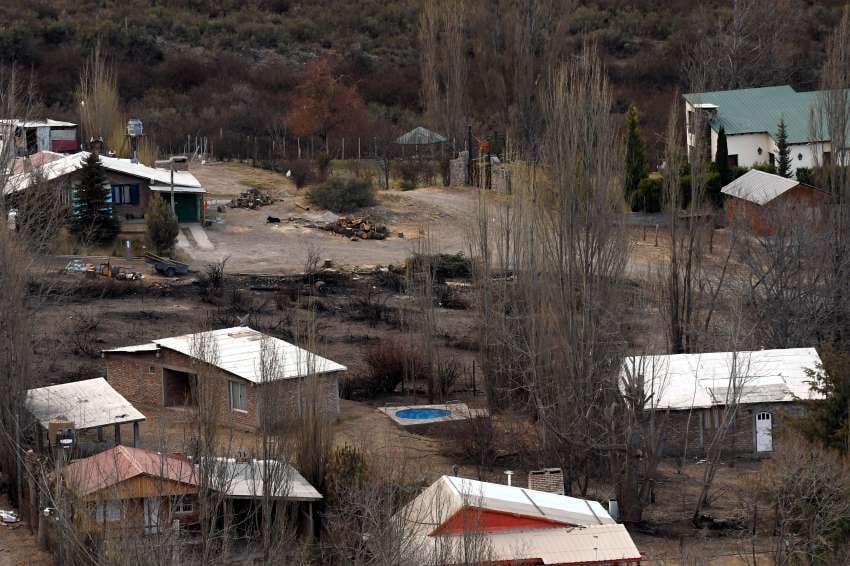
[164, 372]
[690, 393]
[762, 201]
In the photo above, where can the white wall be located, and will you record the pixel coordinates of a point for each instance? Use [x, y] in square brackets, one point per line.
[746, 146]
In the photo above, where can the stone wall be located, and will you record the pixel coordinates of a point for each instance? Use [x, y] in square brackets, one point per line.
[459, 170]
[700, 426]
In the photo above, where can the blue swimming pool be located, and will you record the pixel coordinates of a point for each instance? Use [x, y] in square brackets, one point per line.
[423, 413]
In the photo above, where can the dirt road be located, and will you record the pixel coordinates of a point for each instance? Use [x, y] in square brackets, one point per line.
[440, 216]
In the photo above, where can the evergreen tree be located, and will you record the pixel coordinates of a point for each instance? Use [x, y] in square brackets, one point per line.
[783, 163]
[721, 158]
[828, 420]
[93, 220]
[636, 167]
[161, 225]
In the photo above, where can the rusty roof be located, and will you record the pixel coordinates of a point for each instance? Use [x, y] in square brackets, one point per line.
[112, 467]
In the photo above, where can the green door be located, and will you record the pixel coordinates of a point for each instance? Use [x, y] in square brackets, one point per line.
[186, 206]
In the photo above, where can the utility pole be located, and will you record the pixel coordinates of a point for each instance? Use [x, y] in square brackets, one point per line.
[173, 210]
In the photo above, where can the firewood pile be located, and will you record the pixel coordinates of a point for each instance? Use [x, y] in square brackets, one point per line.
[357, 229]
[252, 198]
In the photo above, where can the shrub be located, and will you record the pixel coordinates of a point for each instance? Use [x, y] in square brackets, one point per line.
[408, 172]
[648, 195]
[445, 266]
[323, 165]
[446, 374]
[161, 225]
[301, 172]
[387, 365]
[343, 195]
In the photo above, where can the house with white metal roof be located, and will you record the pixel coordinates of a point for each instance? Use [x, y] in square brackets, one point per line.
[762, 201]
[693, 390]
[250, 372]
[750, 118]
[32, 136]
[131, 184]
[505, 524]
[91, 404]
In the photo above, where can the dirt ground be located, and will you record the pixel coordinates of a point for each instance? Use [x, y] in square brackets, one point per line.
[442, 216]
[18, 547]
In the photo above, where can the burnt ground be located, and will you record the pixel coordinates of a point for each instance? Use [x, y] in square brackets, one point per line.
[355, 312]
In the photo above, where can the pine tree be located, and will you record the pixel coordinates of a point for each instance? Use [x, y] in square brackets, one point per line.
[161, 225]
[93, 220]
[636, 167]
[721, 158]
[783, 163]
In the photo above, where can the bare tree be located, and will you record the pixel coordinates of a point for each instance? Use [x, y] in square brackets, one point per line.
[442, 44]
[830, 116]
[100, 113]
[809, 487]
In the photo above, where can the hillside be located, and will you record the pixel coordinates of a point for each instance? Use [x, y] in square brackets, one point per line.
[226, 69]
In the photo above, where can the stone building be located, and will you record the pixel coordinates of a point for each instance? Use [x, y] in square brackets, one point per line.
[691, 393]
[246, 369]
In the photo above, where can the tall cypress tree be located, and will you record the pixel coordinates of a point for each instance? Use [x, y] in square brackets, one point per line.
[636, 167]
[721, 158]
[783, 162]
[93, 221]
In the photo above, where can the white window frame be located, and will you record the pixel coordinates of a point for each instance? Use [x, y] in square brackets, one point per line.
[238, 393]
[181, 504]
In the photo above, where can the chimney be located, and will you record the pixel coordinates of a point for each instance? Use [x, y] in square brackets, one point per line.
[548, 479]
[509, 473]
[96, 145]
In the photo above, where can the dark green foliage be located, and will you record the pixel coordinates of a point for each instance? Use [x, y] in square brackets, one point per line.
[323, 165]
[444, 266]
[636, 168]
[161, 225]
[649, 195]
[343, 195]
[827, 420]
[766, 167]
[721, 158]
[806, 175]
[93, 220]
[783, 161]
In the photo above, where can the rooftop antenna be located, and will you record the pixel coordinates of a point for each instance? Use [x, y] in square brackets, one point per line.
[135, 130]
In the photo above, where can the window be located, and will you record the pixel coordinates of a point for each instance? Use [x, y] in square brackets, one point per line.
[733, 160]
[827, 157]
[108, 511]
[125, 194]
[772, 158]
[690, 121]
[181, 505]
[238, 396]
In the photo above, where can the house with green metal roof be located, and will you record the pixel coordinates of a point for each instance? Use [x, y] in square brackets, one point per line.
[750, 117]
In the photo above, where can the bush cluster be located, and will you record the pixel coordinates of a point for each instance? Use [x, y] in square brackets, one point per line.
[343, 195]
